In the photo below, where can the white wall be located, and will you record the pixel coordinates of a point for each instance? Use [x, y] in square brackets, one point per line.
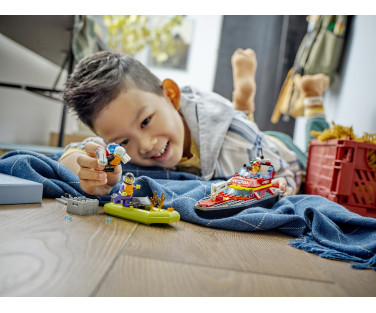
[351, 100]
[26, 118]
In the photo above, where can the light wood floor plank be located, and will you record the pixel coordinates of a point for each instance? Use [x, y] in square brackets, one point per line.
[262, 252]
[138, 276]
[357, 283]
[41, 254]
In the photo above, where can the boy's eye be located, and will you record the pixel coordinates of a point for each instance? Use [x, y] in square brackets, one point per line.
[124, 142]
[145, 122]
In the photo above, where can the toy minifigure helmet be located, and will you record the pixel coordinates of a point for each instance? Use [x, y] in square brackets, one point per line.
[119, 151]
[257, 163]
[129, 178]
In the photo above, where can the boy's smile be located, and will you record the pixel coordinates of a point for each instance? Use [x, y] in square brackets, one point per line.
[148, 126]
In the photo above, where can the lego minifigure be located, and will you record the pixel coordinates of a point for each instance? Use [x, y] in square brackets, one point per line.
[251, 170]
[113, 156]
[126, 190]
[254, 166]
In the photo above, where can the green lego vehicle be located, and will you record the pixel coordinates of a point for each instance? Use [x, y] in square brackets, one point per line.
[142, 210]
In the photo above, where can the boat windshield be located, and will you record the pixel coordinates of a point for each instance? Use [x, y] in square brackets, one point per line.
[249, 174]
[243, 171]
[237, 192]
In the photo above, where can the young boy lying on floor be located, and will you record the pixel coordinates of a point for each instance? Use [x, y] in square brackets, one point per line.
[161, 125]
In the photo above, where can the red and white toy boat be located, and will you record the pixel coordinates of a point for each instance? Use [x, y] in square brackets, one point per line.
[250, 187]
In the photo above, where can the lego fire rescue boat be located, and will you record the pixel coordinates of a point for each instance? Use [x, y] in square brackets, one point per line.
[250, 187]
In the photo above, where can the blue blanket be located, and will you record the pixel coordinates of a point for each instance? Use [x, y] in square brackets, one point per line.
[319, 225]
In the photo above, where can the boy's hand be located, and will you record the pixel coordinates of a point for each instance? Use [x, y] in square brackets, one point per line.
[281, 183]
[93, 180]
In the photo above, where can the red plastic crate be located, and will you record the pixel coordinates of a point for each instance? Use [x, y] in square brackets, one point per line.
[343, 171]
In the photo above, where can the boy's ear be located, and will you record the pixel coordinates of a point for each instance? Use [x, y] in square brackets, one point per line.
[172, 91]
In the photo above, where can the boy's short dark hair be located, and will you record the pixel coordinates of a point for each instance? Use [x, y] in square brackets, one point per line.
[99, 79]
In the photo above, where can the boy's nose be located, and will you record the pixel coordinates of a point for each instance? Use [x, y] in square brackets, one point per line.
[147, 145]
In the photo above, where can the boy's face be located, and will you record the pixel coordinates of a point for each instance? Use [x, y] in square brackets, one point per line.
[148, 126]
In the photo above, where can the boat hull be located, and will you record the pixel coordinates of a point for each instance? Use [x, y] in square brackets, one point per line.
[230, 208]
[154, 216]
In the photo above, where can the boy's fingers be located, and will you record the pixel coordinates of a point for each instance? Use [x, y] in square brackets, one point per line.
[114, 177]
[91, 147]
[90, 174]
[288, 192]
[86, 161]
[279, 183]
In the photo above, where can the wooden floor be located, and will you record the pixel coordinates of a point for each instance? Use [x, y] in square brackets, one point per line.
[42, 254]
